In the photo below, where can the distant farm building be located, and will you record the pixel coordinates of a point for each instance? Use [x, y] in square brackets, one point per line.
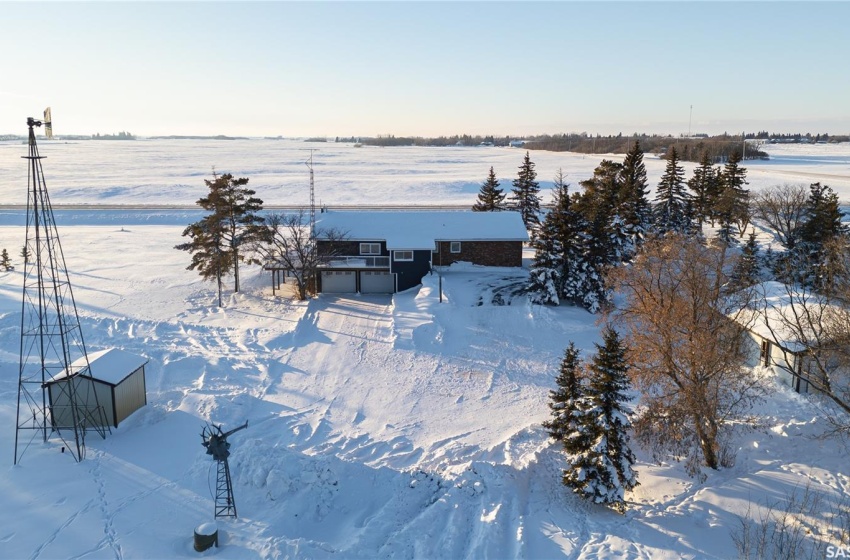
[118, 380]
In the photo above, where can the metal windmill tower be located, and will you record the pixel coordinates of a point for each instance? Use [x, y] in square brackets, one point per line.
[53, 359]
[217, 445]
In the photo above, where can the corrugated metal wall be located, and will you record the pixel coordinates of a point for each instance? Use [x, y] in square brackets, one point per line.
[130, 395]
[60, 401]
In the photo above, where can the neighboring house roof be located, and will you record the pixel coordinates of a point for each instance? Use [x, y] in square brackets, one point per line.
[419, 230]
[773, 312]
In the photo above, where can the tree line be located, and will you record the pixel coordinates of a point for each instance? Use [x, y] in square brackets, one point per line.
[717, 148]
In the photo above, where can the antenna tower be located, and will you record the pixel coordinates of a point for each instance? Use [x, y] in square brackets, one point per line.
[312, 198]
[54, 394]
[217, 445]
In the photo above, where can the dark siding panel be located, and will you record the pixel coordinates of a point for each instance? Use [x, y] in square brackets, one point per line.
[409, 274]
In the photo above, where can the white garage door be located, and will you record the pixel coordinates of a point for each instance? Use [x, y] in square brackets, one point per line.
[338, 282]
[376, 282]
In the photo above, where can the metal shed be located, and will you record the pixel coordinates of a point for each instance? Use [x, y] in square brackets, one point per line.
[118, 380]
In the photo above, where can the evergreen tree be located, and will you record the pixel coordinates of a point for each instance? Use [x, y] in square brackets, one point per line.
[553, 246]
[821, 227]
[526, 194]
[703, 186]
[822, 217]
[5, 262]
[25, 254]
[216, 239]
[567, 226]
[634, 206]
[672, 206]
[601, 193]
[490, 198]
[600, 462]
[605, 237]
[747, 270]
[733, 202]
[566, 399]
[608, 232]
[577, 276]
[545, 274]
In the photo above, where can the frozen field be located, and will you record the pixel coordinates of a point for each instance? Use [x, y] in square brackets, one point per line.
[173, 171]
[383, 426]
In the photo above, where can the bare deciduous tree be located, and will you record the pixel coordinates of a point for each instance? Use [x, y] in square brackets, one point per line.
[687, 352]
[783, 209]
[806, 523]
[287, 242]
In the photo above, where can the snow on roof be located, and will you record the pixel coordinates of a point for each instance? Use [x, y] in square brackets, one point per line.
[419, 230]
[111, 365]
[771, 315]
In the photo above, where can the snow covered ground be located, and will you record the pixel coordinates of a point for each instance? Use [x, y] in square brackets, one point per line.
[379, 426]
[173, 171]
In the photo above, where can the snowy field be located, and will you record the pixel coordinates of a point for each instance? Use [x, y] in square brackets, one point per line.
[173, 171]
[380, 426]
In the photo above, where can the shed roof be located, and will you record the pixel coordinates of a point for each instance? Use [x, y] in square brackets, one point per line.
[772, 314]
[111, 365]
[419, 230]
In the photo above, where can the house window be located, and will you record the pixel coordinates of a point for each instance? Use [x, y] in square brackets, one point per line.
[402, 255]
[454, 247]
[800, 379]
[765, 353]
[370, 248]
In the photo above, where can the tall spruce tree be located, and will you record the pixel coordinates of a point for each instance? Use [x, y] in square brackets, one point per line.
[490, 197]
[578, 276]
[600, 460]
[525, 194]
[217, 239]
[568, 226]
[821, 226]
[552, 243]
[672, 206]
[601, 193]
[633, 203]
[703, 186]
[566, 399]
[605, 239]
[558, 250]
[544, 278]
[733, 202]
[823, 217]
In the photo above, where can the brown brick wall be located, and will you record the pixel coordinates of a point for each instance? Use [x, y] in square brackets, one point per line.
[487, 253]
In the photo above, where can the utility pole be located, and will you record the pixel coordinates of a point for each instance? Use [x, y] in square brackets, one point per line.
[689, 120]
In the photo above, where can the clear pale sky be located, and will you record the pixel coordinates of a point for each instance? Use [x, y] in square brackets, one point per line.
[430, 68]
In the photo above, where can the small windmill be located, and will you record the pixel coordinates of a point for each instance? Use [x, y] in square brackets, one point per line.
[215, 440]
